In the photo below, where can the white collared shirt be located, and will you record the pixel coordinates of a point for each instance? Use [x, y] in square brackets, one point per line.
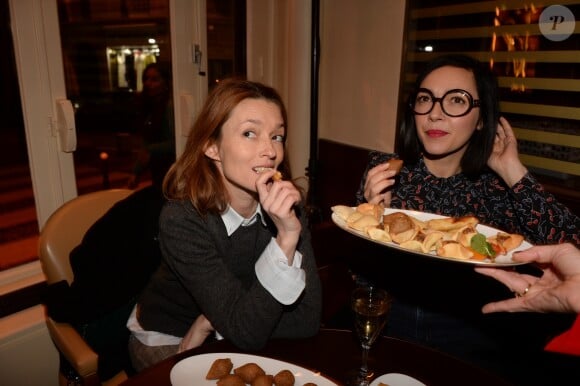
[284, 282]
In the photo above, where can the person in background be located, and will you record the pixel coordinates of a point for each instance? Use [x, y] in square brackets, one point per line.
[461, 158]
[237, 255]
[154, 126]
[557, 290]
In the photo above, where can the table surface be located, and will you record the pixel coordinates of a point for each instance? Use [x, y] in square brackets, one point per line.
[335, 352]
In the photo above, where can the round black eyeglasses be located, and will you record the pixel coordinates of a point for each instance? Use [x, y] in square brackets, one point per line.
[454, 103]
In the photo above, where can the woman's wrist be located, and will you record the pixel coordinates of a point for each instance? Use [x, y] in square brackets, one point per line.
[513, 174]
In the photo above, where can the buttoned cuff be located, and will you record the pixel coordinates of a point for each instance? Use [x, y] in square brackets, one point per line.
[284, 282]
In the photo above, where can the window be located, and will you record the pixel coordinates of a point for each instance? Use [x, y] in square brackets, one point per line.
[99, 39]
[18, 223]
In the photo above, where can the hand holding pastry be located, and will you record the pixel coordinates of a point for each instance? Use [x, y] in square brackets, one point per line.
[278, 199]
[379, 179]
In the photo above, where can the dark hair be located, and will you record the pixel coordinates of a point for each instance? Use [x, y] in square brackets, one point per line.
[194, 176]
[474, 160]
[162, 69]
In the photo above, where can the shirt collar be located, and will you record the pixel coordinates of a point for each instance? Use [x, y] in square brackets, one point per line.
[233, 220]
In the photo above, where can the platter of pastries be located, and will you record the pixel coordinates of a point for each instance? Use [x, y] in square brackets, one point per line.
[458, 239]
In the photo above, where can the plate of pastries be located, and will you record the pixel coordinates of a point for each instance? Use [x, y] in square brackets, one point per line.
[457, 239]
[233, 369]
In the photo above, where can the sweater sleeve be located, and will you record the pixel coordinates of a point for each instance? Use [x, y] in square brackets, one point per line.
[541, 217]
[303, 317]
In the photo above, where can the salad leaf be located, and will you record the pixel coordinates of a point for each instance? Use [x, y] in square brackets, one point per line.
[479, 243]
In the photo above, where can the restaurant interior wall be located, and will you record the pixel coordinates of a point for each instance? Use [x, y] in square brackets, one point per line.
[360, 68]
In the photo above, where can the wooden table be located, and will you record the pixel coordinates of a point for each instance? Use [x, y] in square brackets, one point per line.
[335, 352]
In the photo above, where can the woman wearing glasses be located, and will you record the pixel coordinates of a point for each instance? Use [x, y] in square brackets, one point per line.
[461, 158]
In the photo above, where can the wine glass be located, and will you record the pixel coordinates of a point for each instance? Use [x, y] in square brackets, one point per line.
[370, 306]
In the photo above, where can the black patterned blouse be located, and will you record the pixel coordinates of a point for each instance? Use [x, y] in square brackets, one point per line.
[526, 208]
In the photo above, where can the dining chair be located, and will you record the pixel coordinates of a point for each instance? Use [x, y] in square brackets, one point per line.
[62, 232]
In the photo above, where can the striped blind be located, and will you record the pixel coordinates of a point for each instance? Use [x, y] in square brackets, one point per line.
[539, 77]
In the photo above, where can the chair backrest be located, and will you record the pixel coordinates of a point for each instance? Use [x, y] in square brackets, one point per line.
[65, 228]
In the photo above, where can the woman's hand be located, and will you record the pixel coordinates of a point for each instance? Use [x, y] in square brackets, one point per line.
[199, 331]
[378, 180]
[278, 199]
[557, 290]
[504, 158]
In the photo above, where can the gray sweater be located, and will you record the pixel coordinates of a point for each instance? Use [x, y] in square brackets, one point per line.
[206, 272]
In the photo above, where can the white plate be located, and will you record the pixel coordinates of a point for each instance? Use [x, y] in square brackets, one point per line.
[397, 379]
[499, 261]
[192, 371]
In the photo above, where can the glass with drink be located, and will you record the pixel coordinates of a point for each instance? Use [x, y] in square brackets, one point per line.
[370, 306]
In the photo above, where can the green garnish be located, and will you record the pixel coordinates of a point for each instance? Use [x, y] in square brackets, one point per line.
[479, 244]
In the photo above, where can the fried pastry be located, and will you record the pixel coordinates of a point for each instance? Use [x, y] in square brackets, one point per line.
[364, 223]
[353, 217]
[379, 235]
[451, 223]
[397, 222]
[263, 380]
[343, 211]
[220, 368]
[449, 248]
[249, 372]
[231, 380]
[412, 245]
[400, 227]
[506, 241]
[284, 378]
[465, 234]
[419, 223]
[277, 176]
[373, 210]
[395, 164]
[404, 236]
[430, 241]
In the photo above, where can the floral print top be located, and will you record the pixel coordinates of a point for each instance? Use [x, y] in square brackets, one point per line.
[526, 208]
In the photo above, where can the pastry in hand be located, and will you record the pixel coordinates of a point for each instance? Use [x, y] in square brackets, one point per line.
[395, 164]
[277, 176]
